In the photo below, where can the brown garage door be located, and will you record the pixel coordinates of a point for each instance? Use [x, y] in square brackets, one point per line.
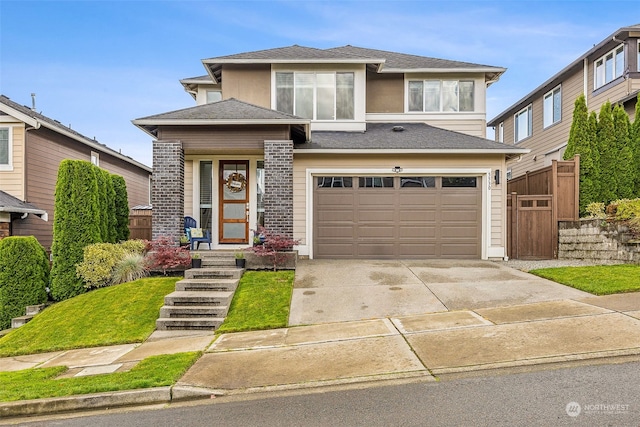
[397, 217]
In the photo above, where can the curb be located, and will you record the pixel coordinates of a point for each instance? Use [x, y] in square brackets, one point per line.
[147, 396]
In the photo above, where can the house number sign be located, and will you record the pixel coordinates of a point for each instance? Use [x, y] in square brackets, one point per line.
[236, 182]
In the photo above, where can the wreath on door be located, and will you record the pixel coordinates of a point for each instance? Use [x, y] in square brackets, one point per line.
[236, 182]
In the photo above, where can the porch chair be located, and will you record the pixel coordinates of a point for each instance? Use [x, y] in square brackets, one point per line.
[196, 235]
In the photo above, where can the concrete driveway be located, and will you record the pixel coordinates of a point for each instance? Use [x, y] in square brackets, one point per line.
[345, 290]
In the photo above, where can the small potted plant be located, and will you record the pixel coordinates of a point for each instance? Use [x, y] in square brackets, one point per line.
[240, 260]
[196, 261]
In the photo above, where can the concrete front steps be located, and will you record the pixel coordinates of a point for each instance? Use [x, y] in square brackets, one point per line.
[30, 312]
[201, 300]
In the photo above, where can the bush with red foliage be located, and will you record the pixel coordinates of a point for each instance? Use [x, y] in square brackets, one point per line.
[164, 254]
[274, 246]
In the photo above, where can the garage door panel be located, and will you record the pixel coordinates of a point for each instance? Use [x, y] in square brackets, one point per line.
[398, 222]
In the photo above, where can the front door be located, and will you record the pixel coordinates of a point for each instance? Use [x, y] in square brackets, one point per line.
[234, 201]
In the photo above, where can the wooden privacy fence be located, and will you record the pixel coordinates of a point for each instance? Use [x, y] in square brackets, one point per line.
[535, 203]
[140, 224]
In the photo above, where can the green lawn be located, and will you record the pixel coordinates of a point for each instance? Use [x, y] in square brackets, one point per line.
[598, 280]
[156, 371]
[261, 302]
[118, 314]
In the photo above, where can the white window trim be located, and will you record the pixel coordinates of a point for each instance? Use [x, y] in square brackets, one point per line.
[501, 132]
[551, 93]
[528, 108]
[8, 166]
[95, 155]
[406, 96]
[603, 59]
[274, 104]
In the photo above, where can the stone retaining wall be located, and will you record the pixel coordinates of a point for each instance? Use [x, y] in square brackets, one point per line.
[596, 239]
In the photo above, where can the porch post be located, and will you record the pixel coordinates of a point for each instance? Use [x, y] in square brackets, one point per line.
[278, 187]
[167, 190]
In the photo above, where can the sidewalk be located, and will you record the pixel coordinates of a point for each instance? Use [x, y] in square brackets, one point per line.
[423, 345]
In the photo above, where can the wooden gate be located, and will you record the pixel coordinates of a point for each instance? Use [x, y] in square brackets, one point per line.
[535, 203]
[532, 227]
[140, 224]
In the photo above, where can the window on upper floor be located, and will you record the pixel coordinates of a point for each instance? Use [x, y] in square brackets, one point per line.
[316, 96]
[5, 148]
[501, 132]
[214, 96]
[523, 124]
[95, 158]
[609, 67]
[440, 95]
[552, 105]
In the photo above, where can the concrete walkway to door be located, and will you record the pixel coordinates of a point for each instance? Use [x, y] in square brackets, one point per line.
[344, 290]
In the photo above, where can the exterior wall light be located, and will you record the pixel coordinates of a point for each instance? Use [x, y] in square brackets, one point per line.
[396, 169]
[497, 176]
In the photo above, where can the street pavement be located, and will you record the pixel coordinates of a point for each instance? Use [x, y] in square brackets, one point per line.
[366, 321]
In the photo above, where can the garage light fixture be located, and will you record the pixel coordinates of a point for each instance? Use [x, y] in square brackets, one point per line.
[396, 169]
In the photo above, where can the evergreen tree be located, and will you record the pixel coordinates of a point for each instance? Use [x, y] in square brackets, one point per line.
[595, 158]
[581, 141]
[625, 171]
[107, 197]
[607, 149]
[76, 224]
[634, 137]
[122, 208]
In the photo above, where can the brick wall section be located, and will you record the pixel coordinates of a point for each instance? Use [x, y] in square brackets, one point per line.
[167, 190]
[278, 187]
[4, 230]
[596, 240]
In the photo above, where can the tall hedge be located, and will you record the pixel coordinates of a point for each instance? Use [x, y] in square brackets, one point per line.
[24, 276]
[608, 159]
[634, 136]
[76, 224]
[107, 198]
[581, 141]
[121, 208]
[625, 171]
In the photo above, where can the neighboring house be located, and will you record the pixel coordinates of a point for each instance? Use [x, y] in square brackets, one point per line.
[541, 121]
[31, 149]
[357, 153]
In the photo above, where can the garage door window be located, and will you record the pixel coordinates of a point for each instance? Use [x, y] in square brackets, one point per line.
[459, 181]
[335, 182]
[417, 182]
[375, 182]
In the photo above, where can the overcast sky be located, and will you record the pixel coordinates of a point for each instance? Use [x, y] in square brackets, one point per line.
[97, 65]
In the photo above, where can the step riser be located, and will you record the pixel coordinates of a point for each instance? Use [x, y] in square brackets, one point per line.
[34, 309]
[199, 301]
[187, 286]
[205, 273]
[171, 324]
[20, 321]
[193, 311]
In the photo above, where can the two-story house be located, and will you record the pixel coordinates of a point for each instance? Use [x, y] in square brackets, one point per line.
[357, 153]
[541, 120]
[32, 146]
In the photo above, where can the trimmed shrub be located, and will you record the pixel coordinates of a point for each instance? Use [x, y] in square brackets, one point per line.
[76, 224]
[608, 155]
[596, 210]
[626, 209]
[106, 201]
[136, 246]
[625, 171]
[99, 261]
[24, 276]
[132, 266]
[121, 208]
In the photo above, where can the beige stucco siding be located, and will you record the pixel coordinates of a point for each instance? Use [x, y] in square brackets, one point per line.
[385, 93]
[12, 181]
[354, 163]
[249, 83]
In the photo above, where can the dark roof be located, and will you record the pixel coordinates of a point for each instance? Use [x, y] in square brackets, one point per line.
[395, 60]
[406, 136]
[229, 109]
[557, 78]
[11, 204]
[288, 53]
[379, 60]
[56, 126]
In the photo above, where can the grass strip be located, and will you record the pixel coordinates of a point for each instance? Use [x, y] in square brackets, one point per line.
[261, 302]
[113, 315]
[155, 371]
[597, 279]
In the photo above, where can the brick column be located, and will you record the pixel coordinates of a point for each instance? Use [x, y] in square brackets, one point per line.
[167, 190]
[278, 187]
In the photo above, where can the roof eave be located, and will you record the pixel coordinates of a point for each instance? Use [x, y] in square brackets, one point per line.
[516, 152]
[494, 70]
[38, 212]
[190, 122]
